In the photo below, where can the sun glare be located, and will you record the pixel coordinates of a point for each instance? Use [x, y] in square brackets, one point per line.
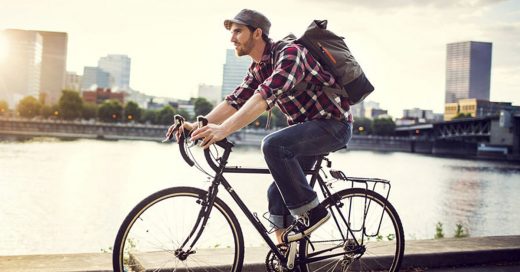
[3, 47]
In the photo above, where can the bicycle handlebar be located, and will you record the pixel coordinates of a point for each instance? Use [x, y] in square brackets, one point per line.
[201, 121]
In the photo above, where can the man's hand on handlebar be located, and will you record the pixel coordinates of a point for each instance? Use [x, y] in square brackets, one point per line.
[186, 127]
[210, 134]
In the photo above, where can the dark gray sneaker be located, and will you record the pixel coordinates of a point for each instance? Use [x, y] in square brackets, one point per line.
[306, 224]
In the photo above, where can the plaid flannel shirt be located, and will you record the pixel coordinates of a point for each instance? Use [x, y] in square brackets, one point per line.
[275, 83]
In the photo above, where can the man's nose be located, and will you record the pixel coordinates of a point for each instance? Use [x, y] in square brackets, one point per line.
[233, 38]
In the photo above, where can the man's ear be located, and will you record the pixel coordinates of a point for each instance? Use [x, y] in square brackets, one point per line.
[258, 33]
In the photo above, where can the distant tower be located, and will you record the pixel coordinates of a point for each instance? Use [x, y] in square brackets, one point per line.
[20, 71]
[468, 71]
[118, 66]
[54, 65]
[235, 69]
[95, 76]
[35, 64]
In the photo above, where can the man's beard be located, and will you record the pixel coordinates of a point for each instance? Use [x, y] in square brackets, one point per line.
[245, 48]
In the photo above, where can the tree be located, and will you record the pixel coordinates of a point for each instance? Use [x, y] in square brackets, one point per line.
[4, 107]
[383, 126]
[89, 111]
[202, 106]
[362, 126]
[165, 115]
[149, 116]
[110, 111]
[70, 105]
[48, 111]
[29, 107]
[184, 113]
[462, 115]
[132, 111]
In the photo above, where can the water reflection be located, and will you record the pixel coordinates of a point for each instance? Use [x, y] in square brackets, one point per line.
[56, 191]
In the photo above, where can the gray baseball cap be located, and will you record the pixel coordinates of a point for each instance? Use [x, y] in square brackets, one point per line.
[251, 18]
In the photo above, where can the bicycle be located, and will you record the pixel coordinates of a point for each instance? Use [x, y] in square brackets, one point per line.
[190, 229]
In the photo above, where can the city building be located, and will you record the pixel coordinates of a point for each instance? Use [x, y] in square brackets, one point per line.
[418, 116]
[368, 109]
[93, 77]
[73, 81]
[211, 93]
[54, 65]
[138, 97]
[235, 69]
[118, 66]
[101, 94]
[477, 108]
[35, 65]
[468, 71]
[20, 70]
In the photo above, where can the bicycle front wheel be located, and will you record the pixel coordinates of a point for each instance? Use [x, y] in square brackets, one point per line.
[364, 233]
[157, 235]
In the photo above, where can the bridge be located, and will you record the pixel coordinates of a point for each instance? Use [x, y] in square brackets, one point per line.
[499, 134]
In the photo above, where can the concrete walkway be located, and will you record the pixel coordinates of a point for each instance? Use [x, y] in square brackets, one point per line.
[420, 255]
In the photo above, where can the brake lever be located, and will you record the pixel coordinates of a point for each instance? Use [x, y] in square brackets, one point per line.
[178, 122]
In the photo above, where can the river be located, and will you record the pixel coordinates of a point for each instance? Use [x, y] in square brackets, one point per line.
[71, 196]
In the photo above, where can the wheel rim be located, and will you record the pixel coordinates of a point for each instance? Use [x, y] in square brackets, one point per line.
[159, 229]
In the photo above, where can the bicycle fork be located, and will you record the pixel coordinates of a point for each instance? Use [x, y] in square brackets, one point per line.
[205, 210]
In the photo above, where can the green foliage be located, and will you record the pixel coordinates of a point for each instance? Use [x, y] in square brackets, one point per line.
[362, 126]
[89, 111]
[383, 126]
[4, 107]
[184, 114]
[48, 111]
[132, 111]
[110, 111]
[29, 107]
[149, 116]
[439, 233]
[202, 106]
[460, 231]
[462, 115]
[70, 105]
[165, 115]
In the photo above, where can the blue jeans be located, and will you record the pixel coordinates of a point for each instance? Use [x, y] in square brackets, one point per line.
[289, 151]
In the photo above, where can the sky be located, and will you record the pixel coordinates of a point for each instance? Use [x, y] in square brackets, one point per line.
[175, 45]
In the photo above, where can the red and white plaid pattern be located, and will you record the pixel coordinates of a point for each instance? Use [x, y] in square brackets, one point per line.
[275, 82]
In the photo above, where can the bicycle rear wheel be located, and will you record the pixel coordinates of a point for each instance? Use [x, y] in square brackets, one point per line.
[151, 236]
[375, 242]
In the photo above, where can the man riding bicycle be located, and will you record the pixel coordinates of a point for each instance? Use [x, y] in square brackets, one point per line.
[316, 124]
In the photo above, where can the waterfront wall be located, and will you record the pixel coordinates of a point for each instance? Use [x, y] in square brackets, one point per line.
[18, 128]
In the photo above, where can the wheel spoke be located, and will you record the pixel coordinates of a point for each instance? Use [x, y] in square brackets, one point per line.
[383, 252]
[157, 227]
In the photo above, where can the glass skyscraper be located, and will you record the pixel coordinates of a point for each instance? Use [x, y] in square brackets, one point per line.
[235, 69]
[468, 70]
[118, 66]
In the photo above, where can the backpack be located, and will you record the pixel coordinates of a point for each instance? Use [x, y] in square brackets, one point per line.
[333, 54]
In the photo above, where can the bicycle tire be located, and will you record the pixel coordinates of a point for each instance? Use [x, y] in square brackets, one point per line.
[379, 255]
[148, 237]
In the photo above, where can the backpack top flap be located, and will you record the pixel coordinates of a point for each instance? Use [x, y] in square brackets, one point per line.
[331, 51]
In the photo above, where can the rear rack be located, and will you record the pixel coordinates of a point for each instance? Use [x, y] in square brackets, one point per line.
[380, 186]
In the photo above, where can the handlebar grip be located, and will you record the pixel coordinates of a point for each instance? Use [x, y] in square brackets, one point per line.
[182, 147]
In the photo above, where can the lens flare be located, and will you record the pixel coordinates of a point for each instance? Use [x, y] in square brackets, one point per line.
[3, 47]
